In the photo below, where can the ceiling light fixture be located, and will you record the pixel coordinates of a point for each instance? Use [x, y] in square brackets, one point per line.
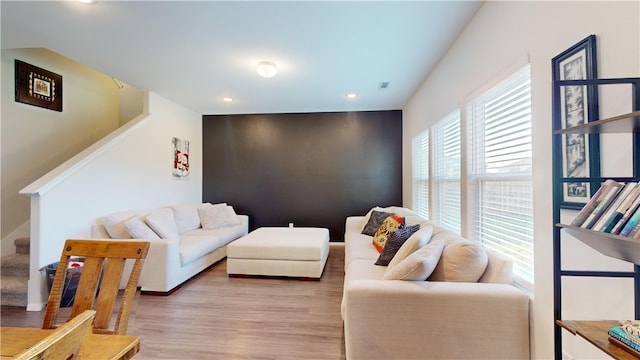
[227, 99]
[266, 69]
[351, 95]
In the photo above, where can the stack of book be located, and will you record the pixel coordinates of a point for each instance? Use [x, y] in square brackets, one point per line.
[627, 335]
[614, 209]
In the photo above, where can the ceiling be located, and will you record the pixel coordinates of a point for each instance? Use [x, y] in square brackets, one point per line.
[197, 52]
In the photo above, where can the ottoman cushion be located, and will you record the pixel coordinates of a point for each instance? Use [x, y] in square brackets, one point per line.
[279, 251]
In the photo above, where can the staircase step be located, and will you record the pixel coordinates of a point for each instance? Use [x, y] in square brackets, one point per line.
[13, 291]
[22, 245]
[15, 265]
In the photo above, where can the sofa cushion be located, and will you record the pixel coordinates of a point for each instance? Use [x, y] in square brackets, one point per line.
[375, 220]
[416, 241]
[394, 242]
[186, 216]
[114, 223]
[462, 260]
[363, 269]
[138, 229]
[163, 223]
[417, 266]
[213, 216]
[195, 244]
[389, 225]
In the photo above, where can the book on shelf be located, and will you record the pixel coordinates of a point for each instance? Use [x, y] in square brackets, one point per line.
[591, 204]
[606, 198]
[624, 212]
[631, 224]
[629, 340]
[611, 213]
[627, 215]
[631, 327]
[624, 346]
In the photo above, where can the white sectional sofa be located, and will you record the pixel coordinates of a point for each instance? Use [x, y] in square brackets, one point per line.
[185, 239]
[466, 309]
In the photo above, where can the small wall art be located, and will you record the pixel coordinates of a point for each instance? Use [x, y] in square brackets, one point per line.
[38, 87]
[180, 158]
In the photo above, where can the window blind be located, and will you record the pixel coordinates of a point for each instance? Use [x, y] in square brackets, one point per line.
[500, 123]
[446, 171]
[420, 154]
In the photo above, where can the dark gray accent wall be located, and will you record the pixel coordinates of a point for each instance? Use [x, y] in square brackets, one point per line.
[310, 169]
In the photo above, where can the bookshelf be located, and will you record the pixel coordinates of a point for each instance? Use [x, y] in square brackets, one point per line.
[619, 247]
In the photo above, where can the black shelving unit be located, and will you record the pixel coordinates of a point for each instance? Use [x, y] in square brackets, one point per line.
[611, 245]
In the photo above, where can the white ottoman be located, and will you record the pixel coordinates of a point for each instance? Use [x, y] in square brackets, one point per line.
[280, 251]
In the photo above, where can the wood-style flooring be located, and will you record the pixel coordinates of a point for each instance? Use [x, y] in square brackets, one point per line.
[214, 316]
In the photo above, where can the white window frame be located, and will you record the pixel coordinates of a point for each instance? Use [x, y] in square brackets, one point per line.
[501, 159]
[420, 155]
[446, 176]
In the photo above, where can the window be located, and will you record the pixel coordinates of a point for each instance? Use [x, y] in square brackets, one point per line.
[446, 171]
[420, 154]
[500, 176]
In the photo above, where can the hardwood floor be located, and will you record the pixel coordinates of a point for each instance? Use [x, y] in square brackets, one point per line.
[214, 316]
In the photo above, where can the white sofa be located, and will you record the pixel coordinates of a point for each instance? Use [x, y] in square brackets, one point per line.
[472, 311]
[185, 239]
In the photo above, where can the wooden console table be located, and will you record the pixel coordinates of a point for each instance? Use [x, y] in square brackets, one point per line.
[595, 332]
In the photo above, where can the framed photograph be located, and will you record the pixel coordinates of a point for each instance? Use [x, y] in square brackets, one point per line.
[578, 104]
[38, 87]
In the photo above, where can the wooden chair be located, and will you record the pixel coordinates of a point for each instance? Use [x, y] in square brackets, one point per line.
[99, 254]
[64, 342]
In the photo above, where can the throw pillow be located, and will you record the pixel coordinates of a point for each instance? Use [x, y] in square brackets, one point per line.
[375, 220]
[417, 266]
[394, 242]
[162, 222]
[114, 223]
[389, 225]
[415, 242]
[186, 216]
[213, 216]
[139, 230]
[462, 260]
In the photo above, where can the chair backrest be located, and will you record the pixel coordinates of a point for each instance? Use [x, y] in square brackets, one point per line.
[102, 259]
[64, 342]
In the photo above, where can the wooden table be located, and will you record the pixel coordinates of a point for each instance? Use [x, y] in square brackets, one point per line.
[14, 340]
[595, 332]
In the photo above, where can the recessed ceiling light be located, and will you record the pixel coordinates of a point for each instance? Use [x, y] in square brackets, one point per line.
[351, 95]
[266, 69]
[227, 99]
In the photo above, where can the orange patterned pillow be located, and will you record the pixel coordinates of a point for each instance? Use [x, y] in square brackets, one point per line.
[389, 225]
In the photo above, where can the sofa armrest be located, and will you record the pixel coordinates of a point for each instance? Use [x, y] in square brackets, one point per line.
[244, 221]
[387, 319]
[161, 270]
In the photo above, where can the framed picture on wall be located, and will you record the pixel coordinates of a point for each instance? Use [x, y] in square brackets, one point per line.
[38, 87]
[579, 105]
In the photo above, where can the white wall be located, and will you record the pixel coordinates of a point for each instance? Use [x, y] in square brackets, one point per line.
[500, 34]
[36, 140]
[129, 169]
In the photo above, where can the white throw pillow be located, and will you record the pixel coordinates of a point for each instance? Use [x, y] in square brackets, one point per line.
[417, 266]
[138, 229]
[114, 223]
[462, 260]
[186, 216]
[416, 241]
[163, 223]
[213, 216]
